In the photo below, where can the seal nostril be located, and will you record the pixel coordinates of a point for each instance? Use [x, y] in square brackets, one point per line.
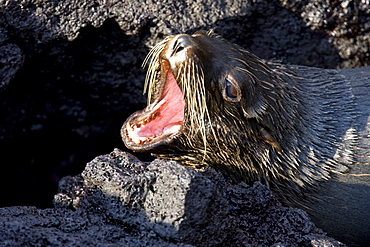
[178, 48]
[181, 43]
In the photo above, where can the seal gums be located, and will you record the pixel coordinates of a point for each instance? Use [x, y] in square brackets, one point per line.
[161, 119]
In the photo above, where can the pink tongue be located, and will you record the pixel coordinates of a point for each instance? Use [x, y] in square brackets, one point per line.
[171, 112]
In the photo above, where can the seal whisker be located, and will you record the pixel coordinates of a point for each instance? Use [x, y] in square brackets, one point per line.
[201, 99]
[153, 63]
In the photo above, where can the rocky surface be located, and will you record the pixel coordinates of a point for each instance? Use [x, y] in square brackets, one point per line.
[120, 201]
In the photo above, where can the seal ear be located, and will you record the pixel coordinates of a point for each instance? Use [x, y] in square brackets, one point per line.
[266, 137]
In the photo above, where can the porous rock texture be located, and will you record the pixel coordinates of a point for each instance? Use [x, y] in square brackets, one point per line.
[121, 201]
[70, 74]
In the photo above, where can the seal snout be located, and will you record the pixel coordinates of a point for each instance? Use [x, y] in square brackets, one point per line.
[177, 51]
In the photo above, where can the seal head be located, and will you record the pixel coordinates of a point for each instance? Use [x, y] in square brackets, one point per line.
[207, 105]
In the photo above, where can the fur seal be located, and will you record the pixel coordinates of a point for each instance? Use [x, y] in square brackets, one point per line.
[303, 132]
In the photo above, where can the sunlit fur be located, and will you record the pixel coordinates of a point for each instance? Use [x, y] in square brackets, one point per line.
[153, 73]
[190, 78]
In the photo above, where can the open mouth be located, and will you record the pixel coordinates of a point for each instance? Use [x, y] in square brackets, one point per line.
[160, 121]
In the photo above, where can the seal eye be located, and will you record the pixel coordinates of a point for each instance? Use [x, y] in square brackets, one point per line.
[231, 91]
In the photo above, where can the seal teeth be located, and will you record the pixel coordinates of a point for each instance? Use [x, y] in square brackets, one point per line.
[155, 115]
[145, 121]
[136, 132]
[143, 140]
